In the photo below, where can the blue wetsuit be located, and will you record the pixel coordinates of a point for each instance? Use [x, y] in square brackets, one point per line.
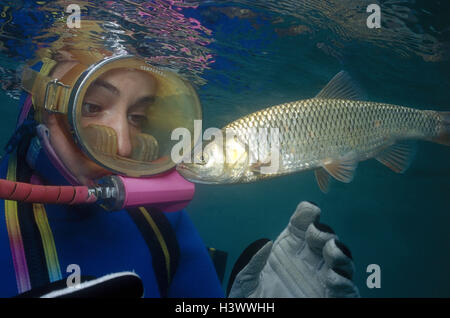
[103, 242]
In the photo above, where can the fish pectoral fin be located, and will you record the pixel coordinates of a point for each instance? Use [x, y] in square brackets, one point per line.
[323, 179]
[256, 167]
[341, 169]
[341, 86]
[397, 157]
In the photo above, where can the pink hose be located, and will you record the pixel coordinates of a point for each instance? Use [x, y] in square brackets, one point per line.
[26, 192]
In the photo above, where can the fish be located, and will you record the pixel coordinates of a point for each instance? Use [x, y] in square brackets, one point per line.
[329, 133]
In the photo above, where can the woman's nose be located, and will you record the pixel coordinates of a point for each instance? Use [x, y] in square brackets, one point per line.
[124, 146]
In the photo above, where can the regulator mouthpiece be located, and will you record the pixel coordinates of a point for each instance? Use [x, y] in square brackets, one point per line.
[168, 192]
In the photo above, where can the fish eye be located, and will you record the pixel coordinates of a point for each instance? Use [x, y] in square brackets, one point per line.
[203, 158]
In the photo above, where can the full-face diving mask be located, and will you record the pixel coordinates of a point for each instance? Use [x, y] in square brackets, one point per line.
[142, 177]
[175, 104]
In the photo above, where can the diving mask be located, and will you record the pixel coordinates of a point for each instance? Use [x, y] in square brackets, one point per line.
[175, 104]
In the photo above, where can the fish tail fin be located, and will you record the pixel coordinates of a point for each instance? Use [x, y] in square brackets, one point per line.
[443, 136]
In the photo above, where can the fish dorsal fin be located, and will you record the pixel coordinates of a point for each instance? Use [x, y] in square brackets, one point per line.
[397, 157]
[341, 86]
[323, 179]
[341, 169]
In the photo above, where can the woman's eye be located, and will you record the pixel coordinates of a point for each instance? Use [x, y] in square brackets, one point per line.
[90, 109]
[138, 121]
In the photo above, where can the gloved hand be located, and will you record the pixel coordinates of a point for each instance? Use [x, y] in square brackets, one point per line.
[306, 260]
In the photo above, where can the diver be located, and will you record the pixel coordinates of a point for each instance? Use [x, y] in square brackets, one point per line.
[93, 135]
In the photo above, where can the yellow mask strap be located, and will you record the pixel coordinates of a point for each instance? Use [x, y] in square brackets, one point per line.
[48, 93]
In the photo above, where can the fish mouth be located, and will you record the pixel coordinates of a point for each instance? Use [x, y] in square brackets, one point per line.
[186, 172]
[189, 174]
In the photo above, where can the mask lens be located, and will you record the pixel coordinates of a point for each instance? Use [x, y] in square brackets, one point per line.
[135, 141]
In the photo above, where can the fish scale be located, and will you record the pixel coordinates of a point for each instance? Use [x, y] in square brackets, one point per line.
[331, 128]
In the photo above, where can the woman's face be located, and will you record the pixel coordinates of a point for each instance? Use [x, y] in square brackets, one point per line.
[118, 99]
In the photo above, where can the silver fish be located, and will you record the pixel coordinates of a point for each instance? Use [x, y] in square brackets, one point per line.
[329, 133]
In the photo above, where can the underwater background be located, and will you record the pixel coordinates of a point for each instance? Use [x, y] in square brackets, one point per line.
[246, 55]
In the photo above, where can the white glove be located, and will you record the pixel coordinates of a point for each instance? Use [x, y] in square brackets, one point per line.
[306, 260]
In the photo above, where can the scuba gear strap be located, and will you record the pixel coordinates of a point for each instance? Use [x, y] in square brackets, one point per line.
[31, 240]
[162, 243]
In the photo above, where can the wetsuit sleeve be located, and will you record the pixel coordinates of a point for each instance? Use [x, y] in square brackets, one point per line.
[196, 275]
